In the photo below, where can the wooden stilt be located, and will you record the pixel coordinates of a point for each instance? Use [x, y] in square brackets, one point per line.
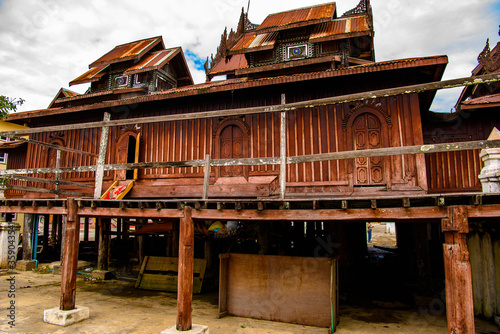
[63, 234]
[86, 230]
[102, 256]
[27, 235]
[46, 222]
[70, 257]
[53, 231]
[96, 234]
[459, 300]
[185, 276]
[175, 240]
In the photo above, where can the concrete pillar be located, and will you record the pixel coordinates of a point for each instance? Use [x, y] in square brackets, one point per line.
[490, 174]
[9, 239]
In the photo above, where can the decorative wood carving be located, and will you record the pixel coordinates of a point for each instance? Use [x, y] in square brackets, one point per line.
[489, 60]
[367, 134]
[227, 41]
[57, 136]
[372, 105]
[362, 8]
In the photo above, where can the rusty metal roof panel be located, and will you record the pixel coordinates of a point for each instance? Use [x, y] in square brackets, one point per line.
[339, 28]
[483, 100]
[153, 61]
[235, 63]
[128, 51]
[300, 17]
[255, 42]
[91, 75]
[264, 40]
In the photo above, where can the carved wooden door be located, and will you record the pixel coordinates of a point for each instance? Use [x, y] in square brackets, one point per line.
[231, 147]
[367, 135]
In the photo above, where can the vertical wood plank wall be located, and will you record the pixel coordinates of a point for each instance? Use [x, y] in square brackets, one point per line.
[321, 129]
[457, 171]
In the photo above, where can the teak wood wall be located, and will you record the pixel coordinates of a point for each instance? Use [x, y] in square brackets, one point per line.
[311, 130]
[457, 171]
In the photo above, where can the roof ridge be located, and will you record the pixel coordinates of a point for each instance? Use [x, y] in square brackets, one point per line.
[302, 8]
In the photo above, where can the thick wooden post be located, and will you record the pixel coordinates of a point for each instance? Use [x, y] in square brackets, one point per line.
[283, 149]
[64, 220]
[104, 238]
[27, 236]
[70, 257]
[185, 276]
[459, 300]
[99, 174]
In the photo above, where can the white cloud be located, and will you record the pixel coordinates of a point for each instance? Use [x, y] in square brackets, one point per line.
[47, 43]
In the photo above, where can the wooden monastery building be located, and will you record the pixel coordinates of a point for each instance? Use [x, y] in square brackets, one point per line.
[304, 140]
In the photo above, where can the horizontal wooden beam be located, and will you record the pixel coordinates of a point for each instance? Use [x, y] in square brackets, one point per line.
[50, 181]
[346, 215]
[129, 213]
[266, 109]
[44, 210]
[44, 190]
[388, 151]
[391, 151]
[283, 215]
[57, 147]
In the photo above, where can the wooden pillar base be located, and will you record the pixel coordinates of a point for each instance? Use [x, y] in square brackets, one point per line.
[55, 316]
[196, 329]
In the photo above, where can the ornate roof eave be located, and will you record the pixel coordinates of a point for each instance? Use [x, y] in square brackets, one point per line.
[227, 41]
[363, 7]
[490, 61]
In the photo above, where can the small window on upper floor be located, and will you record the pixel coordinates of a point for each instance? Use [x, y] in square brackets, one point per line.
[3, 158]
[121, 81]
[141, 78]
[299, 51]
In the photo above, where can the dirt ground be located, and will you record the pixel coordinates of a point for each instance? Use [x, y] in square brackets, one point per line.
[117, 307]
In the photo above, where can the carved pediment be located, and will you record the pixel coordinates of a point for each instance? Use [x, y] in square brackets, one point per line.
[490, 60]
[370, 105]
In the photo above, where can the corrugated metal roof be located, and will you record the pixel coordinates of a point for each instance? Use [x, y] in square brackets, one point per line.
[488, 99]
[128, 51]
[91, 75]
[339, 27]
[255, 42]
[235, 63]
[243, 83]
[153, 61]
[306, 15]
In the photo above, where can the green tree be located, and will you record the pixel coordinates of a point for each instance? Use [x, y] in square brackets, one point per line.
[8, 105]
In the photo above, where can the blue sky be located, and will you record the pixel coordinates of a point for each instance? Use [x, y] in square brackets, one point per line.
[196, 59]
[46, 44]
